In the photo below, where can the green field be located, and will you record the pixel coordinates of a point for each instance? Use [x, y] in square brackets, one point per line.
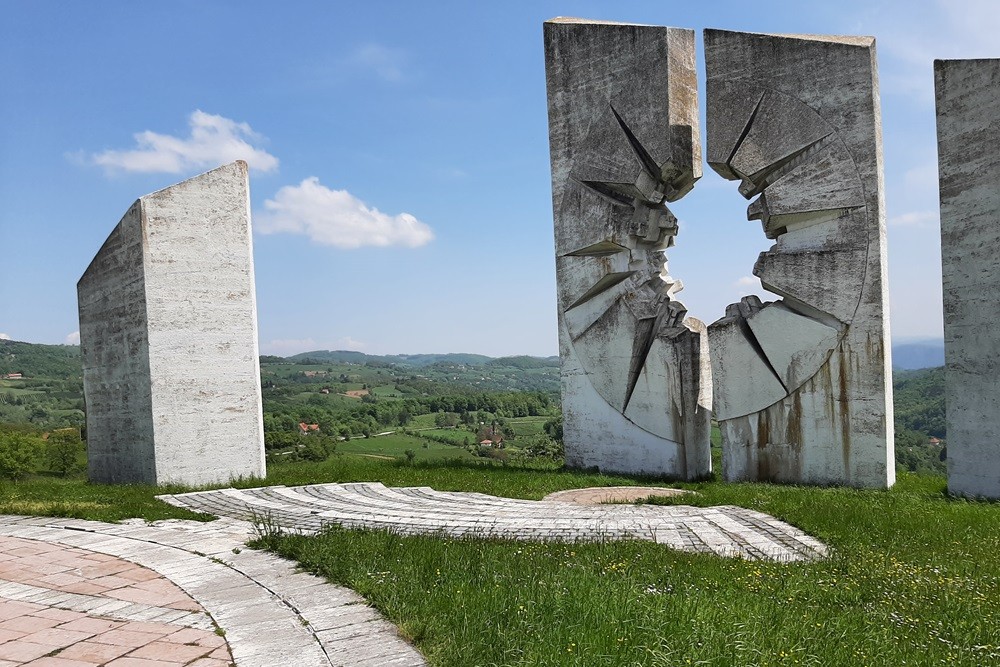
[524, 426]
[16, 388]
[457, 436]
[397, 444]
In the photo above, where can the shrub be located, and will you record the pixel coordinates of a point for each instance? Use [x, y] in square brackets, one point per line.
[18, 454]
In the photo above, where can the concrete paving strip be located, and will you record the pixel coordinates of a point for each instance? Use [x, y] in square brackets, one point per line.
[270, 613]
[724, 530]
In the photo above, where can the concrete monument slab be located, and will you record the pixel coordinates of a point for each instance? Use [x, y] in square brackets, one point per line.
[168, 336]
[802, 388]
[968, 132]
[624, 139]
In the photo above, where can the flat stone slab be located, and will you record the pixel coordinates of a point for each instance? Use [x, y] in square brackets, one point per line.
[724, 530]
[602, 495]
[159, 591]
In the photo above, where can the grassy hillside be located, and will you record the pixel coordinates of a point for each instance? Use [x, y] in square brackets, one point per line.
[56, 362]
[51, 395]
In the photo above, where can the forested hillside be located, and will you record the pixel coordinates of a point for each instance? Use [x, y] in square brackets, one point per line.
[918, 398]
[57, 362]
[50, 394]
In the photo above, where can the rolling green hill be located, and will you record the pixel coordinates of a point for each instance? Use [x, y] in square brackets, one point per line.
[59, 362]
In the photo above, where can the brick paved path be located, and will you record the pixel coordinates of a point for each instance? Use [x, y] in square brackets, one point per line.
[81, 593]
[724, 530]
[97, 611]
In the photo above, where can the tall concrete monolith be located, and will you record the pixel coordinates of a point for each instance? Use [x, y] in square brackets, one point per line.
[968, 132]
[168, 336]
[802, 385]
[624, 139]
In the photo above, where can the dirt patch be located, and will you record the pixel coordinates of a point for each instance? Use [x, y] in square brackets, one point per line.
[356, 393]
[598, 495]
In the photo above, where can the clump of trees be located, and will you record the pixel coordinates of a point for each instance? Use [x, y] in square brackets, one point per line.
[25, 451]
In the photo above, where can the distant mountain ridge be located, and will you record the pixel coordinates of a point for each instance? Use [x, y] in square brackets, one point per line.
[63, 361]
[423, 360]
[923, 354]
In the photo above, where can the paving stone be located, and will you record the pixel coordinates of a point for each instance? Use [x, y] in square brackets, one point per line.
[264, 605]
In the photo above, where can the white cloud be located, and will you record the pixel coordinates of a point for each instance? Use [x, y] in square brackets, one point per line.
[288, 346]
[348, 343]
[750, 285]
[4, 336]
[337, 218]
[214, 140]
[387, 63]
[73, 338]
[914, 219]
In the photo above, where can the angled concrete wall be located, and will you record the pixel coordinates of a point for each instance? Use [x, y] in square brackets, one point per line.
[168, 335]
[968, 131]
[802, 386]
[623, 136]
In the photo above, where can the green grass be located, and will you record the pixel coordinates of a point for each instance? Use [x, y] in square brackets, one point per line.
[529, 481]
[458, 436]
[422, 421]
[73, 496]
[396, 445]
[387, 391]
[14, 389]
[914, 579]
[524, 426]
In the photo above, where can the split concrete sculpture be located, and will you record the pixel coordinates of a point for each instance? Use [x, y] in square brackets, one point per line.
[624, 139]
[968, 132]
[802, 386]
[168, 335]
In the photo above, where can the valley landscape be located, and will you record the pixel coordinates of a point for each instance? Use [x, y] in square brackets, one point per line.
[911, 578]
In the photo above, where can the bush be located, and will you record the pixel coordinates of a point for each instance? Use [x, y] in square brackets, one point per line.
[19, 454]
[313, 451]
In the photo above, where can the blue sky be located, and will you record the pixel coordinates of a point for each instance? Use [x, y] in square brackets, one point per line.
[399, 152]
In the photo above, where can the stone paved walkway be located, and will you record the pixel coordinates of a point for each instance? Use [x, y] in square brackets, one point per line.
[80, 594]
[724, 530]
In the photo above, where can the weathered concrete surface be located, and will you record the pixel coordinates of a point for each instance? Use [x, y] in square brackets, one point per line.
[802, 386]
[968, 131]
[724, 530]
[168, 335]
[624, 139]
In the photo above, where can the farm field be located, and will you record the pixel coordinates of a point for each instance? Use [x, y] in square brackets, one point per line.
[396, 445]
